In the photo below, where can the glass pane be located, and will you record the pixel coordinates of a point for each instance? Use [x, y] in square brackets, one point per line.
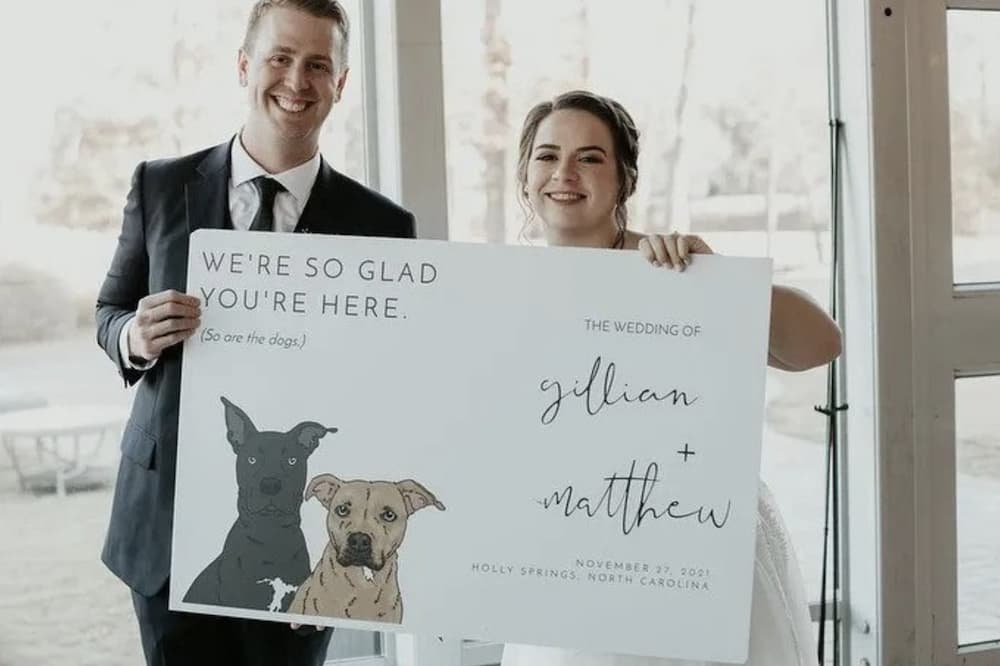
[973, 71]
[352, 644]
[478, 653]
[733, 148]
[126, 92]
[977, 442]
[343, 139]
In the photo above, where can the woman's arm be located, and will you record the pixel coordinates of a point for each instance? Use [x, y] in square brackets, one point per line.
[803, 335]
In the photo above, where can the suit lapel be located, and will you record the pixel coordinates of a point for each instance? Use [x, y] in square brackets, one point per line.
[318, 215]
[208, 196]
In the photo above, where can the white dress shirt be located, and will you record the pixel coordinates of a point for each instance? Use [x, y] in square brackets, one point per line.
[244, 200]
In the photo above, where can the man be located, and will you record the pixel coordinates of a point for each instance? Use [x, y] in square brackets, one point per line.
[293, 63]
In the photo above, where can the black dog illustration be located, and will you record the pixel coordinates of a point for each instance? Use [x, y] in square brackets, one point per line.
[264, 556]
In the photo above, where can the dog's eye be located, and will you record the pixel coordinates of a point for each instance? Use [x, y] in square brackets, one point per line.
[252, 460]
[388, 515]
[342, 510]
[292, 461]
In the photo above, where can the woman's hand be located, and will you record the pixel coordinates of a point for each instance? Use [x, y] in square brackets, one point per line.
[802, 335]
[673, 250]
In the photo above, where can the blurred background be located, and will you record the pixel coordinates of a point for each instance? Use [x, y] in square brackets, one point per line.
[730, 99]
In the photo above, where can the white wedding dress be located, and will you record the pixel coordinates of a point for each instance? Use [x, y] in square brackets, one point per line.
[781, 632]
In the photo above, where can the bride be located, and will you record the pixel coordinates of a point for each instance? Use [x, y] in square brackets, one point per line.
[577, 167]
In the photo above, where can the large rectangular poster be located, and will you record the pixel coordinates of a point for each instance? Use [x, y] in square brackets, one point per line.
[520, 444]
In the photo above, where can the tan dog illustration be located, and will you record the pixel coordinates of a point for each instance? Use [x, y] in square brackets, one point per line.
[357, 576]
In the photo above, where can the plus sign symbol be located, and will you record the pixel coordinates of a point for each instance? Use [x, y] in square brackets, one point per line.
[686, 452]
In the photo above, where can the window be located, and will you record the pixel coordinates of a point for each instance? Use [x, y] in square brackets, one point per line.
[928, 587]
[973, 68]
[977, 484]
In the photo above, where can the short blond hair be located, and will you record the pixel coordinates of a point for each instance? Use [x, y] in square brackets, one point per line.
[326, 9]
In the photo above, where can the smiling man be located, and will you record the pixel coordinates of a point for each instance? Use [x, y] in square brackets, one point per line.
[269, 177]
[294, 68]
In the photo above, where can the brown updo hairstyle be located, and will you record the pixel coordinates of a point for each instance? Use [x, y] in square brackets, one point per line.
[623, 133]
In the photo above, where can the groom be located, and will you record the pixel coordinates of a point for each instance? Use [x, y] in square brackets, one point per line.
[270, 177]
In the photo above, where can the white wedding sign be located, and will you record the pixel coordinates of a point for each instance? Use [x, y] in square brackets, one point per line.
[532, 445]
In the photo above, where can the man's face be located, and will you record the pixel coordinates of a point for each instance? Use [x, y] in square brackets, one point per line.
[293, 74]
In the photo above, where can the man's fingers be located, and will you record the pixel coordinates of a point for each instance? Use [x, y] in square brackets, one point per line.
[176, 325]
[180, 297]
[157, 346]
[164, 311]
[168, 296]
[171, 309]
[163, 320]
[295, 627]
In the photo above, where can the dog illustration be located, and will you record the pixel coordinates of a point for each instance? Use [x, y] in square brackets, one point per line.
[357, 575]
[265, 550]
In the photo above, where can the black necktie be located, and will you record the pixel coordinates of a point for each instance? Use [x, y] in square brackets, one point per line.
[268, 189]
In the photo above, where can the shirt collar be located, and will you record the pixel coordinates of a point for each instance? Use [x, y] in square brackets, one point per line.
[297, 180]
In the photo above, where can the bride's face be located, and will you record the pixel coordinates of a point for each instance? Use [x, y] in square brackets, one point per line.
[573, 178]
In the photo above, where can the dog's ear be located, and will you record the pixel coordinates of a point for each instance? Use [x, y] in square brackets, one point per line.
[308, 435]
[239, 427]
[324, 487]
[416, 497]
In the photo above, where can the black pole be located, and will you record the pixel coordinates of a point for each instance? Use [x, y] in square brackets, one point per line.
[832, 501]
[831, 513]
[821, 643]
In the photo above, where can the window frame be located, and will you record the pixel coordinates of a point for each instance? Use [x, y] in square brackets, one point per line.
[913, 333]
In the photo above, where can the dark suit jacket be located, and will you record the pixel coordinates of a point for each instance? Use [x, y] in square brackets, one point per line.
[169, 199]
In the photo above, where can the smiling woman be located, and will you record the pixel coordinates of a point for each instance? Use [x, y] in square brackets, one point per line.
[578, 166]
[570, 165]
[726, 144]
[577, 171]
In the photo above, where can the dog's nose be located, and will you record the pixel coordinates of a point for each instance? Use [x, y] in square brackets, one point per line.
[358, 541]
[270, 486]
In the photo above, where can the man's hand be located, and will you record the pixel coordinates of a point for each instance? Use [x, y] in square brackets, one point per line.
[161, 321]
[296, 627]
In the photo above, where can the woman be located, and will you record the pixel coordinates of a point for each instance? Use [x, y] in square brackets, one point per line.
[577, 168]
